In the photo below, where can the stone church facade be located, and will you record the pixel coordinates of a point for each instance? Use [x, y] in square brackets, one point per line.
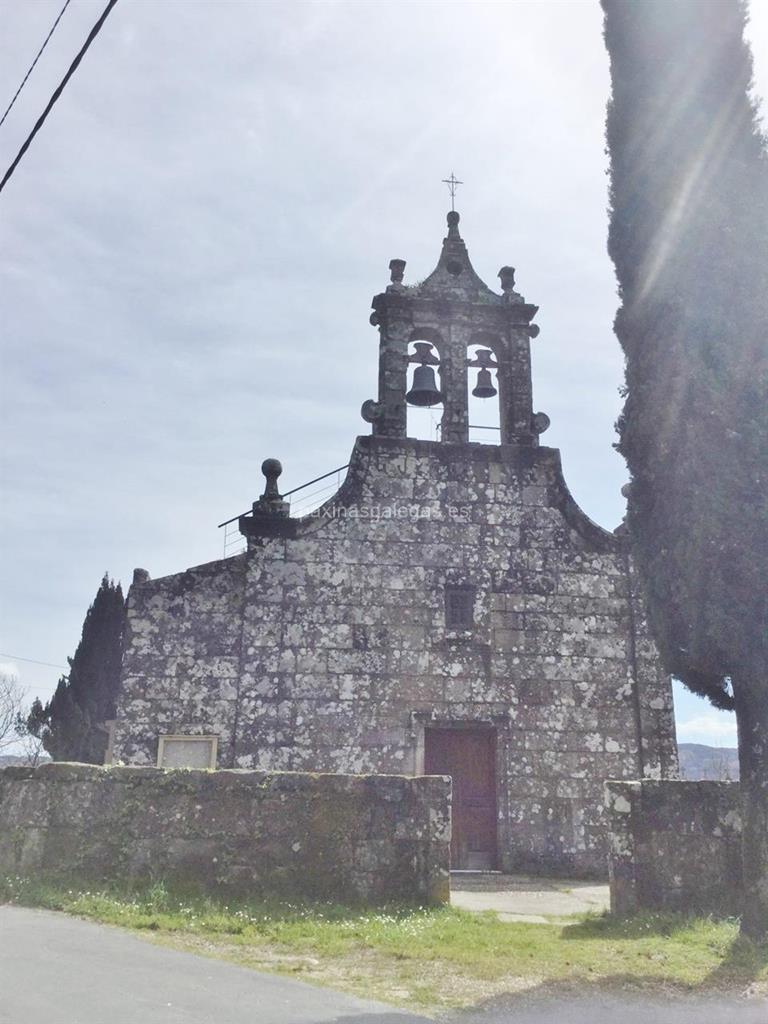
[450, 610]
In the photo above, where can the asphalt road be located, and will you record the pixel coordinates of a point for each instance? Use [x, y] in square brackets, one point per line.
[56, 969]
[605, 1009]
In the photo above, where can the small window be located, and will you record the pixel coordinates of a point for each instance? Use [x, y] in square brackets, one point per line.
[459, 607]
[187, 751]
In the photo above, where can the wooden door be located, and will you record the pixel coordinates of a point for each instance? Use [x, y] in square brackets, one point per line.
[469, 757]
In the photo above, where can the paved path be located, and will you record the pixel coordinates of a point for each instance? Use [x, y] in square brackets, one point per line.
[56, 969]
[525, 898]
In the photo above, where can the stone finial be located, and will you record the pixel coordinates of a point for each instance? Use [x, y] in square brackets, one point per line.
[371, 410]
[271, 468]
[511, 297]
[271, 502]
[454, 250]
[540, 422]
[507, 277]
[396, 271]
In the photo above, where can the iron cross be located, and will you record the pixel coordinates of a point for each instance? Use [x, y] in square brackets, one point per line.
[452, 183]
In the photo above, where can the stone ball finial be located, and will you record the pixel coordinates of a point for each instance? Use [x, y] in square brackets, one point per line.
[453, 218]
[271, 468]
[271, 502]
[396, 271]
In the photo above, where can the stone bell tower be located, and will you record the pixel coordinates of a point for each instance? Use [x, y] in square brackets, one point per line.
[444, 315]
[448, 611]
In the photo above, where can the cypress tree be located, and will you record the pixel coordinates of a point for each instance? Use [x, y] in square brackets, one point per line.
[689, 240]
[72, 723]
[66, 725]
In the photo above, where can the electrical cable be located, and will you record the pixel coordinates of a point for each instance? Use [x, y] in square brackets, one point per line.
[15, 657]
[60, 88]
[32, 65]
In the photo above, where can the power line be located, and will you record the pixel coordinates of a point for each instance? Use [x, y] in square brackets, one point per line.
[32, 65]
[15, 657]
[60, 88]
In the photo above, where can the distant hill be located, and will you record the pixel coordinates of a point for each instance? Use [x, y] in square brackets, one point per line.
[698, 762]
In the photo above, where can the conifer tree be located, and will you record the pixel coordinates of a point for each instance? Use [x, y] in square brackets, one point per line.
[72, 723]
[689, 241]
[36, 717]
[66, 725]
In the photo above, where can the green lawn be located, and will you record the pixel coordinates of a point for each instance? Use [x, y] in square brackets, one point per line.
[429, 959]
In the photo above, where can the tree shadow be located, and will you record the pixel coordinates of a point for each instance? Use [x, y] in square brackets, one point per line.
[636, 926]
[741, 966]
[608, 1000]
[743, 962]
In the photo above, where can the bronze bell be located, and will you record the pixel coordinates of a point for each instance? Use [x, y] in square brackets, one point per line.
[424, 391]
[484, 387]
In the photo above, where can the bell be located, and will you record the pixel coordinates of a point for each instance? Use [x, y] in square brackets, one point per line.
[484, 387]
[424, 391]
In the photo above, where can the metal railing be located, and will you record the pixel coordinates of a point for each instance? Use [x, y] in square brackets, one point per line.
[234, 543]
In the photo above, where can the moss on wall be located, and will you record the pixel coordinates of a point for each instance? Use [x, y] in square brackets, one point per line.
[364, 838]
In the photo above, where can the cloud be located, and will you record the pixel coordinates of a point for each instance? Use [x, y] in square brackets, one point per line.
[194, 237]
[9, 668]
[717, 728]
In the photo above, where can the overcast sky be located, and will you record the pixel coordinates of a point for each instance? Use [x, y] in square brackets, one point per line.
[190, 246]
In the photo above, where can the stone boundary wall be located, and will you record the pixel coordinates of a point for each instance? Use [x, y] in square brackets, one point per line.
[675, 846]
[352, 838]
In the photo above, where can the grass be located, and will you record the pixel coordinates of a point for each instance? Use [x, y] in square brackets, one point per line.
[429, 959]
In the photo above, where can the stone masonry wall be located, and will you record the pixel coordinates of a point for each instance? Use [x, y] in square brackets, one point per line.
[675, 846]
[373, 838]
[327, 649]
